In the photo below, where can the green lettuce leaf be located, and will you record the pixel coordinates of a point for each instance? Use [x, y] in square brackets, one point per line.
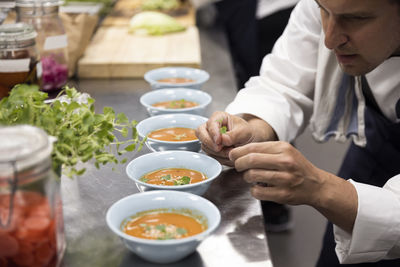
[154, 23]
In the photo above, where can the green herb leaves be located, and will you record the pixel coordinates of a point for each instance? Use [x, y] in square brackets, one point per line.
[182, 181]
[168, 180]
[222, 129]
[144, 179]
[163, 231]
[166, 177]
[177, 103]
[82, 134]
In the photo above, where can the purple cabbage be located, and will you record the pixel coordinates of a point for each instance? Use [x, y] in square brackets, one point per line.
[54, 74]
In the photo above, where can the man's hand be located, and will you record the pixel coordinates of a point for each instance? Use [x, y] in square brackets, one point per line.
[221, 133]
[280, 173]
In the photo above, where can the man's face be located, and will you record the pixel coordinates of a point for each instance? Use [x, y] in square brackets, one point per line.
[362, 33]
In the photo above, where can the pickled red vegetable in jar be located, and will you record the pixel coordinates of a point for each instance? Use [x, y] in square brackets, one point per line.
[51, 40]
[31, 221]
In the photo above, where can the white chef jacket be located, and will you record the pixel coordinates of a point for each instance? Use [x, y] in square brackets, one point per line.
[268, 7]
[376, 232]
[300, 83]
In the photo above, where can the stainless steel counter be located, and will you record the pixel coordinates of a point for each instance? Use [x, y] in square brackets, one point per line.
[239, 241]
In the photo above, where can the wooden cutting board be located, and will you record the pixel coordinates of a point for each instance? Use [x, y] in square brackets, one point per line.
[115, 53]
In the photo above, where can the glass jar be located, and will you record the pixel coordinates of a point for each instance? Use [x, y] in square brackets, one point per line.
[31, 221]
[18, 56]
[51, 39]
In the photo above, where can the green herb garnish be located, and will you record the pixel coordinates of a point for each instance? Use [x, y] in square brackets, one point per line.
[167, 236]
[182, 103]
[161, 227]
[223, 129]
[172, 104]
[166, 177]
[144, 179]
[184, 180]
[181, 231]
[82, 134]
[177, 103]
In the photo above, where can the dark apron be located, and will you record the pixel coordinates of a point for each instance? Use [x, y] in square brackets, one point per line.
[374, 164]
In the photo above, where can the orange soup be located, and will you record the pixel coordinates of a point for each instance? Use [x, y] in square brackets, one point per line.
[174, 134]
[162, 225]
[175, 104]
[176, 80]
[173, 176]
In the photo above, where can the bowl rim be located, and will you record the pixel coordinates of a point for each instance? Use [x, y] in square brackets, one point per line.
[174, 187]
[197, 237]
[146, 120]
[202, 79]
[171, 142]
[179, 110]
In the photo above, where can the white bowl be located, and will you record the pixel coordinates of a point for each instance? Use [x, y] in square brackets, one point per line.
[162, 251]
[150, 124]
[174, 159]
[199, 76]
[202, 98]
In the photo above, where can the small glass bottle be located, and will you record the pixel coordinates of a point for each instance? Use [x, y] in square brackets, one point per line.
[51, 40]
[18, 56]
[31, 219]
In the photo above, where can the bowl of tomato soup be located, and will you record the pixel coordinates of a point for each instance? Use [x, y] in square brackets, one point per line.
[163, 226]
[176, 100]
[173, 77]
[171, 132]
[174, 170]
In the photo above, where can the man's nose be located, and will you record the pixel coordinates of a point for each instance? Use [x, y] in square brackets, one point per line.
[334, 34]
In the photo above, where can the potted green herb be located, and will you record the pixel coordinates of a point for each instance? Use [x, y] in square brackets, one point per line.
[81, 134]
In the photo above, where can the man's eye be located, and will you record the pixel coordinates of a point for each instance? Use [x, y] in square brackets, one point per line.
[356, 18]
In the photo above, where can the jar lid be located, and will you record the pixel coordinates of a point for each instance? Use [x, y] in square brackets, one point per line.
[7, 4]
[16, 32]
[24, 145]
[31, 3]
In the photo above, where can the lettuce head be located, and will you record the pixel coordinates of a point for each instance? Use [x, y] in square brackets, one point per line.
[154, 23]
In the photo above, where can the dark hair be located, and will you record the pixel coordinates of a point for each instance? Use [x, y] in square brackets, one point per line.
[395, 2]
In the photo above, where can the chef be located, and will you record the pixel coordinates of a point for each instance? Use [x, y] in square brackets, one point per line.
[336, 70]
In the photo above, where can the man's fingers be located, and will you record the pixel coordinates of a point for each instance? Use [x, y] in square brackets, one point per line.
[206, 139]
[262, 176]
[270, 147]
[214, 124]
[259, 161]
[270, 193]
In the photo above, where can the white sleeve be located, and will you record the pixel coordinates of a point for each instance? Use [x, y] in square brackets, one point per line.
[282, 94]
[376, 232]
